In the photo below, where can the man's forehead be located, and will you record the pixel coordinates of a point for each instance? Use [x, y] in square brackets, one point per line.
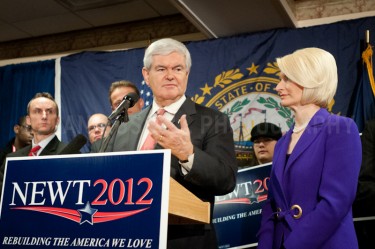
[171, 58]
[42, 102]
[124, 90]
[97, 119]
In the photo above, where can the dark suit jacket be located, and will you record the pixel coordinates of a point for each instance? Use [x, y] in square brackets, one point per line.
[6, 150]
[321, 177]
[54, 147]
[214, 169]
[364, 203]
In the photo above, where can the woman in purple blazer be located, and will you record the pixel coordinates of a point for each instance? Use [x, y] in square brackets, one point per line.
[316, 163]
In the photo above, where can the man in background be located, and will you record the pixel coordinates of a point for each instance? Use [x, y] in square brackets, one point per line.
[97, 126]
[23, 137]
[264, 136]
[119, 89]
[43, 117]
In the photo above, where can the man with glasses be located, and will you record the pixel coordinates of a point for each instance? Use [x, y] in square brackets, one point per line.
[264, 136]
[23, 137]
[96, 126]
[117, 91]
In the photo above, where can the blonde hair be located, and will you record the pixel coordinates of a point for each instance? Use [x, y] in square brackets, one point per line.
[315, 70]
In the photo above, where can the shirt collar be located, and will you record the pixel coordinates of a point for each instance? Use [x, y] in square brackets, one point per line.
[44, 142]
[172, 108]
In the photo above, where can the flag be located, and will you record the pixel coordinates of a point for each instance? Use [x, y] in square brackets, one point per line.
[364, 107]
[146, 94]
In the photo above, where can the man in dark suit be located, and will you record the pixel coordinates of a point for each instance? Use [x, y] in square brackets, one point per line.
[22, 138]
[363, 206]
[43, 117]
[118, 90]
[201, 139]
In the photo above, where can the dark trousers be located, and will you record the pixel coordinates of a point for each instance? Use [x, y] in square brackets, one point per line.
[191, 236]
[365, 231]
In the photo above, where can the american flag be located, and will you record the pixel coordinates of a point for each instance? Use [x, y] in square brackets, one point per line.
[146, 94]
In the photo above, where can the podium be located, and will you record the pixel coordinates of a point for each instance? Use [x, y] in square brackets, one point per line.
[185, 207]
[111, 197]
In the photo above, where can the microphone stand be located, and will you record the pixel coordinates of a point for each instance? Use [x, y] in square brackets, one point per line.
[120, 118]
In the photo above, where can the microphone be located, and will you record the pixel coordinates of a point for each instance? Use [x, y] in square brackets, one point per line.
[127, 102]
[75, 145]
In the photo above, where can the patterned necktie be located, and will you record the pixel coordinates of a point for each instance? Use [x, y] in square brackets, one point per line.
[150, 143]
[34, 151]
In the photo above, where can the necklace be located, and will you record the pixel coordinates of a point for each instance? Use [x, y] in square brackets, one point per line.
[301, 128]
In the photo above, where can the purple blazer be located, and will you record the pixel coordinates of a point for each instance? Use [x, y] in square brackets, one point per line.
[319, 180]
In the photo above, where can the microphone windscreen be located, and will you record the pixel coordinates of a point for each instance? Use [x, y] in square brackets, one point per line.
[75, 145]
[132, 97]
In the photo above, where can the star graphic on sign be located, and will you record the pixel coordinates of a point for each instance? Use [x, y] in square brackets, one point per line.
[253, 199]
[206, 90]
[87, 214]
[252, 69]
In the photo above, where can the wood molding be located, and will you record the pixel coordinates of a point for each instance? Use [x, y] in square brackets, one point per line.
[99, 37]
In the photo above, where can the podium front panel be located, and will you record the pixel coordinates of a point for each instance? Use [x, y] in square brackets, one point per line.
[89, 200]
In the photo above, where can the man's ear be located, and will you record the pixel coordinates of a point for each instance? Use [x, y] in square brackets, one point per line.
[16, 128]
[141, 102]
[145, 75]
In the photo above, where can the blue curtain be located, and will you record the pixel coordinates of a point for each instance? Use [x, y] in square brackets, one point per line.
[85, 81]
[235, 75]
[18, 84]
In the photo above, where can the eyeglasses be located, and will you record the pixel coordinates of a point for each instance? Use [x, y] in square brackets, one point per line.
[26, 127]
[100, 126]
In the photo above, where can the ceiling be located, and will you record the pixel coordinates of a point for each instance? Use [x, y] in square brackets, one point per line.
[23, 19]
[20, 19]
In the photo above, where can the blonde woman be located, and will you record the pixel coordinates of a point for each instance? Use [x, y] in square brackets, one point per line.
[316, 163]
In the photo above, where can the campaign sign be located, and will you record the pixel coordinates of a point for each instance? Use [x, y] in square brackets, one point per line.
[237, 215]
[104, 200]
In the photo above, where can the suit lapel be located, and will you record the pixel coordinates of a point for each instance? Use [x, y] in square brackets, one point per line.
[279, 161]
[24, 151]
[51, 148]
[312, 131]
[280, 155]
[188, 108]
[130, 132]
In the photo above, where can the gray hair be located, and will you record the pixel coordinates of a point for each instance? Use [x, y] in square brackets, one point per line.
[164, 47]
